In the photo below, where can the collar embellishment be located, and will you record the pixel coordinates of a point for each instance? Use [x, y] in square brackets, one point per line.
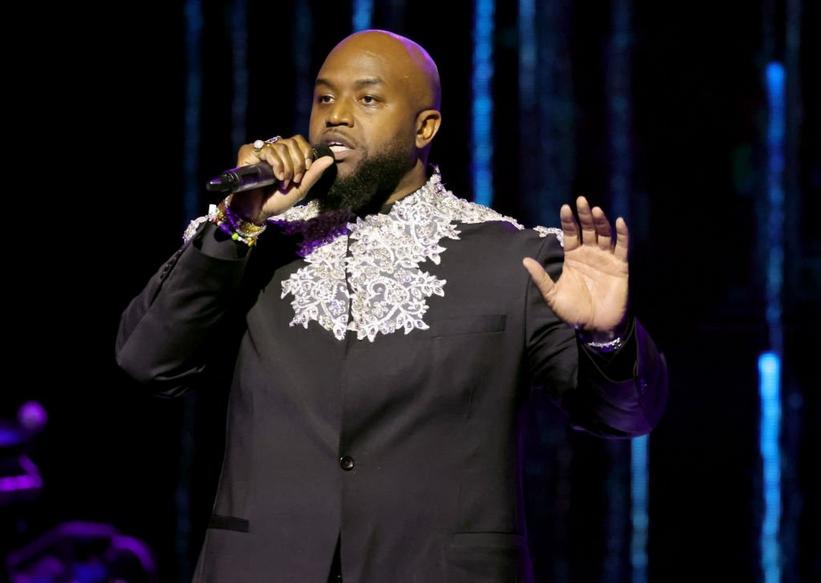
[385, 290]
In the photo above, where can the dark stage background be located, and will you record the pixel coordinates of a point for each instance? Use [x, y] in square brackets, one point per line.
[657, 109]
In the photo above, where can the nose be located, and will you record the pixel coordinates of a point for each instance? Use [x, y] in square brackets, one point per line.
[339, 114]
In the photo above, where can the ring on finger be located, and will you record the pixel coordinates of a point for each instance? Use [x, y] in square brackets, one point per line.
[260, 144]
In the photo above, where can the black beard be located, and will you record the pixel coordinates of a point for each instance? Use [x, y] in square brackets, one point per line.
[369, 186]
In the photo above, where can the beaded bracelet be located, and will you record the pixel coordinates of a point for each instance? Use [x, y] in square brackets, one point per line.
[235, 226]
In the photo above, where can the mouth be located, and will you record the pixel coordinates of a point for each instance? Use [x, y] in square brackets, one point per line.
[336, 147]
[339, 145]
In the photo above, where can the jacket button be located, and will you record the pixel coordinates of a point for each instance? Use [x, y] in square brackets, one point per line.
[347, 463]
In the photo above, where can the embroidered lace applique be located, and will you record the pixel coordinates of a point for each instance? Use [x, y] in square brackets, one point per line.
[388, 291]
[194, 225]
[320, 290]
[545, 231]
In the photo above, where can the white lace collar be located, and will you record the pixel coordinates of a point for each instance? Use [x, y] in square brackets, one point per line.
[385, 290]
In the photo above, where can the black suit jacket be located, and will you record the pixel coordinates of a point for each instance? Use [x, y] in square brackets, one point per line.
[405, 447]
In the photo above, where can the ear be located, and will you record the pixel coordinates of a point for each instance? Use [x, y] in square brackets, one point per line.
[427, 125]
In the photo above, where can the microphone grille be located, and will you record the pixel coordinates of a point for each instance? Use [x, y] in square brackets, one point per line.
[320, 150]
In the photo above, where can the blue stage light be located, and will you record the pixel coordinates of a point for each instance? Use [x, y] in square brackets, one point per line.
[482, 110]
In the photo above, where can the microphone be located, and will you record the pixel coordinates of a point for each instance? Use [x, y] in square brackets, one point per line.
[257, 175]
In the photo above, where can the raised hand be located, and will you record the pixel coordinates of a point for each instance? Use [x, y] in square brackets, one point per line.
[591, 292]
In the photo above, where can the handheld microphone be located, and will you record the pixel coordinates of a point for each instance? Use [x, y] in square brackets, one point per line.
[257, 175]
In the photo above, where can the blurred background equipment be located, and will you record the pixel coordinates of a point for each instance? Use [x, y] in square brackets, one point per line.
[71, 552]
[19, 475]
[82, 552]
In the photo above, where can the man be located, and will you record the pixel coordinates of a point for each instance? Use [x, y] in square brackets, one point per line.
[388, 334]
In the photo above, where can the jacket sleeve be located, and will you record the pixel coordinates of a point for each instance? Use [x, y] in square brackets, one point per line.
[620, 395]
[165, 330]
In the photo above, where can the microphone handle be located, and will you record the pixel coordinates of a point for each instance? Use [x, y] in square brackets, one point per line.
[243, 178]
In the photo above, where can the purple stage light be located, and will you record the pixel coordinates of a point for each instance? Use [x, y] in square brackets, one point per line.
[32, 416]
[28, 478]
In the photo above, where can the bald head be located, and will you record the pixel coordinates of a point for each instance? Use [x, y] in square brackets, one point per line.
[409, 62]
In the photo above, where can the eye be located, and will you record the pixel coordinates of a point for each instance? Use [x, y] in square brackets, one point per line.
[324, 99]
[369, 100]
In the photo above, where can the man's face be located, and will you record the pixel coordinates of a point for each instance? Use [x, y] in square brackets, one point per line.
[361, 111]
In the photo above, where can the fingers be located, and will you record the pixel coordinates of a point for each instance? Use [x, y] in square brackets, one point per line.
[603, 236]
[290, 158]
[586, 221]
[593, 228]
[622, 239]
[570, 228]
[315, 172]
[307, 152]
[295, 161]
[538, 275]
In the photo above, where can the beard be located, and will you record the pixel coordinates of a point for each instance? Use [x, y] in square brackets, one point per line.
[369, 185]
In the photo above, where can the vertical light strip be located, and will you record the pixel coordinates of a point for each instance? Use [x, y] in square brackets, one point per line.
[775, 202]
[527, 55]
[362, 14]
[640, 518]
[301, 50]
[239, 56]
[529, 121]
[191, 203]
[482, 111]
[546, 108]
[616, 523]
[769, 371]
[393, 14]
[618, 109]
[769, 363]
[193, 97]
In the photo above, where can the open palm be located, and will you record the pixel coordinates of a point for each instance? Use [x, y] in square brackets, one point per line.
[591, 292]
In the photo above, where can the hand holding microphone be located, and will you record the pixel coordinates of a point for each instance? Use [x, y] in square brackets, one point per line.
[292, 162]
